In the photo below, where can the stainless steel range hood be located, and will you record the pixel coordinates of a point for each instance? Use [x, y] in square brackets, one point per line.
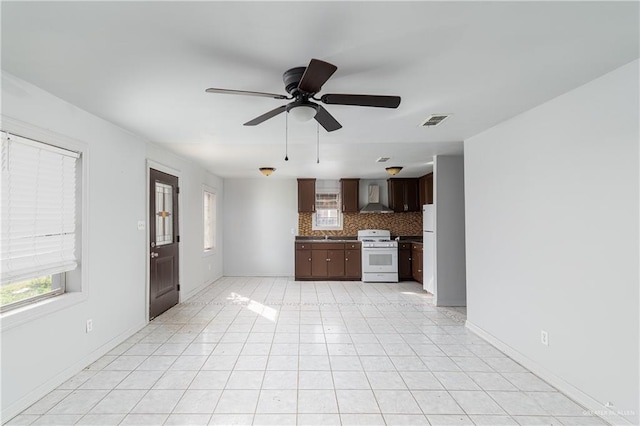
[373, 199]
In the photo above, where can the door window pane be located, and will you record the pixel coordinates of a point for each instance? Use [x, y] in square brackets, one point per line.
[164, 214]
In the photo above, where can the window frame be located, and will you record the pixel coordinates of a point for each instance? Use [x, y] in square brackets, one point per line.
[212, 191]
[76, 281]
[58, 283]
[339, 226]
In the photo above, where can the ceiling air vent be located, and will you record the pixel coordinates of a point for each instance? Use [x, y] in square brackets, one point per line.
[383, 159]
[434, 119]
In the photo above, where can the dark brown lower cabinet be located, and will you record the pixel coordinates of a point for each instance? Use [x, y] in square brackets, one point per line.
[335, 263]
[328, 261]
[303, 261]
[416, 262]
[353, 264]
[405, 273]
[319, 263]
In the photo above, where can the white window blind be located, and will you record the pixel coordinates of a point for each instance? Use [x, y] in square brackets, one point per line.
[327, 209]
[328, 215]
[38, 209]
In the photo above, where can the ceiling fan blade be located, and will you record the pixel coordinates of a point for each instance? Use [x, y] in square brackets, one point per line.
[245, 92]
[326, 120]
[362, 100]
[266, 116]
[316, 74]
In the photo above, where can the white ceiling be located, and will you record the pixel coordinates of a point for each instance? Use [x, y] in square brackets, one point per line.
[145, 67]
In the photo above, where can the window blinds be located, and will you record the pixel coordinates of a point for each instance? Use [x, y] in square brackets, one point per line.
[38, 209]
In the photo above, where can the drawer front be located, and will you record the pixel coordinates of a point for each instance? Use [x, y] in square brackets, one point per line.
[404, 246]
[303, 246]
[352, 246]
[327, 246]
[417, 246]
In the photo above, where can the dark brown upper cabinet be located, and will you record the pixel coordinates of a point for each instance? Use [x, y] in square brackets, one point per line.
[426, 189]
[350, 192]
[306, 195]
[403, 195]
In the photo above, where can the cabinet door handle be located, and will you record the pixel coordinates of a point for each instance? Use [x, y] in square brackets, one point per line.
[346, 258]
[328, 260]
[309, 259]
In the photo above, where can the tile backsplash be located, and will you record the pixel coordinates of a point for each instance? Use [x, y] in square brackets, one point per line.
[405, 224]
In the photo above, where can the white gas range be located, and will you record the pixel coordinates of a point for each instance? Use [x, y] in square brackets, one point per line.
[379, 256]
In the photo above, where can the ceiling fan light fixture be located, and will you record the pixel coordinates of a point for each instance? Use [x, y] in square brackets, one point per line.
[302, 112]
[393, 170]
[267, 170]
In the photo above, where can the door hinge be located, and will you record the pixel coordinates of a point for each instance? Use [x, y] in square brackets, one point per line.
[177, 238]
[177, 189]
[178, 287]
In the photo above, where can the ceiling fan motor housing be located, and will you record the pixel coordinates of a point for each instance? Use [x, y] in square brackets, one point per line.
[292, 78]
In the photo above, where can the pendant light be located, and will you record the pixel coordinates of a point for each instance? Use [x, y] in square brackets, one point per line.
[267, 170]
[393, 170]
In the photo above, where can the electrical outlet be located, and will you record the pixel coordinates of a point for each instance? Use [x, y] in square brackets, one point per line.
[141, 225]
[89, 325]
[544, 337]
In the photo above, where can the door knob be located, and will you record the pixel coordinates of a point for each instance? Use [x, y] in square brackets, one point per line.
[154, 255]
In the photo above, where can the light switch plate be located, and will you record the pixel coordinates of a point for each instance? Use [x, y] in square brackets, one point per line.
[142, 225]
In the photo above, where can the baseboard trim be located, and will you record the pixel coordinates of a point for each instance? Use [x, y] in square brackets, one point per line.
[36, 394]
[557, 382]
[452, 303]
[193, 292]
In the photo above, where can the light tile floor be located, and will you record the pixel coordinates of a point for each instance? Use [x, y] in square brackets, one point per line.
[272, 351]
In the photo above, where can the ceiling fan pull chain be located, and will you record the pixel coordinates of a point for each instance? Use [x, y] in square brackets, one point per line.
[317, 143]
[286, 137]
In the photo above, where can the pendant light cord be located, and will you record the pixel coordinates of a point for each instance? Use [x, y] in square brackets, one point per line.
[317, 143]
[286, 136]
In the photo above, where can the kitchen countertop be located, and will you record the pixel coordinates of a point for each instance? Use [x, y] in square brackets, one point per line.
[349, 239]
[411, 240]
[315, 239]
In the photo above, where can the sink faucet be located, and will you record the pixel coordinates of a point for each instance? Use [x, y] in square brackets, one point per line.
[326, 237]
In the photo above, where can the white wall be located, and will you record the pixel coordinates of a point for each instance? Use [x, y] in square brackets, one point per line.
[552, 239]
[41, 352]
[259, 215]
[450, 280]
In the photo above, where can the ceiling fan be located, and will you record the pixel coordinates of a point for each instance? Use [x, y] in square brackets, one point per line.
[302, 84]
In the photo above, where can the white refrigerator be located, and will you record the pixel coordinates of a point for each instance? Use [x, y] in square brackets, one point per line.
[428, 248]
